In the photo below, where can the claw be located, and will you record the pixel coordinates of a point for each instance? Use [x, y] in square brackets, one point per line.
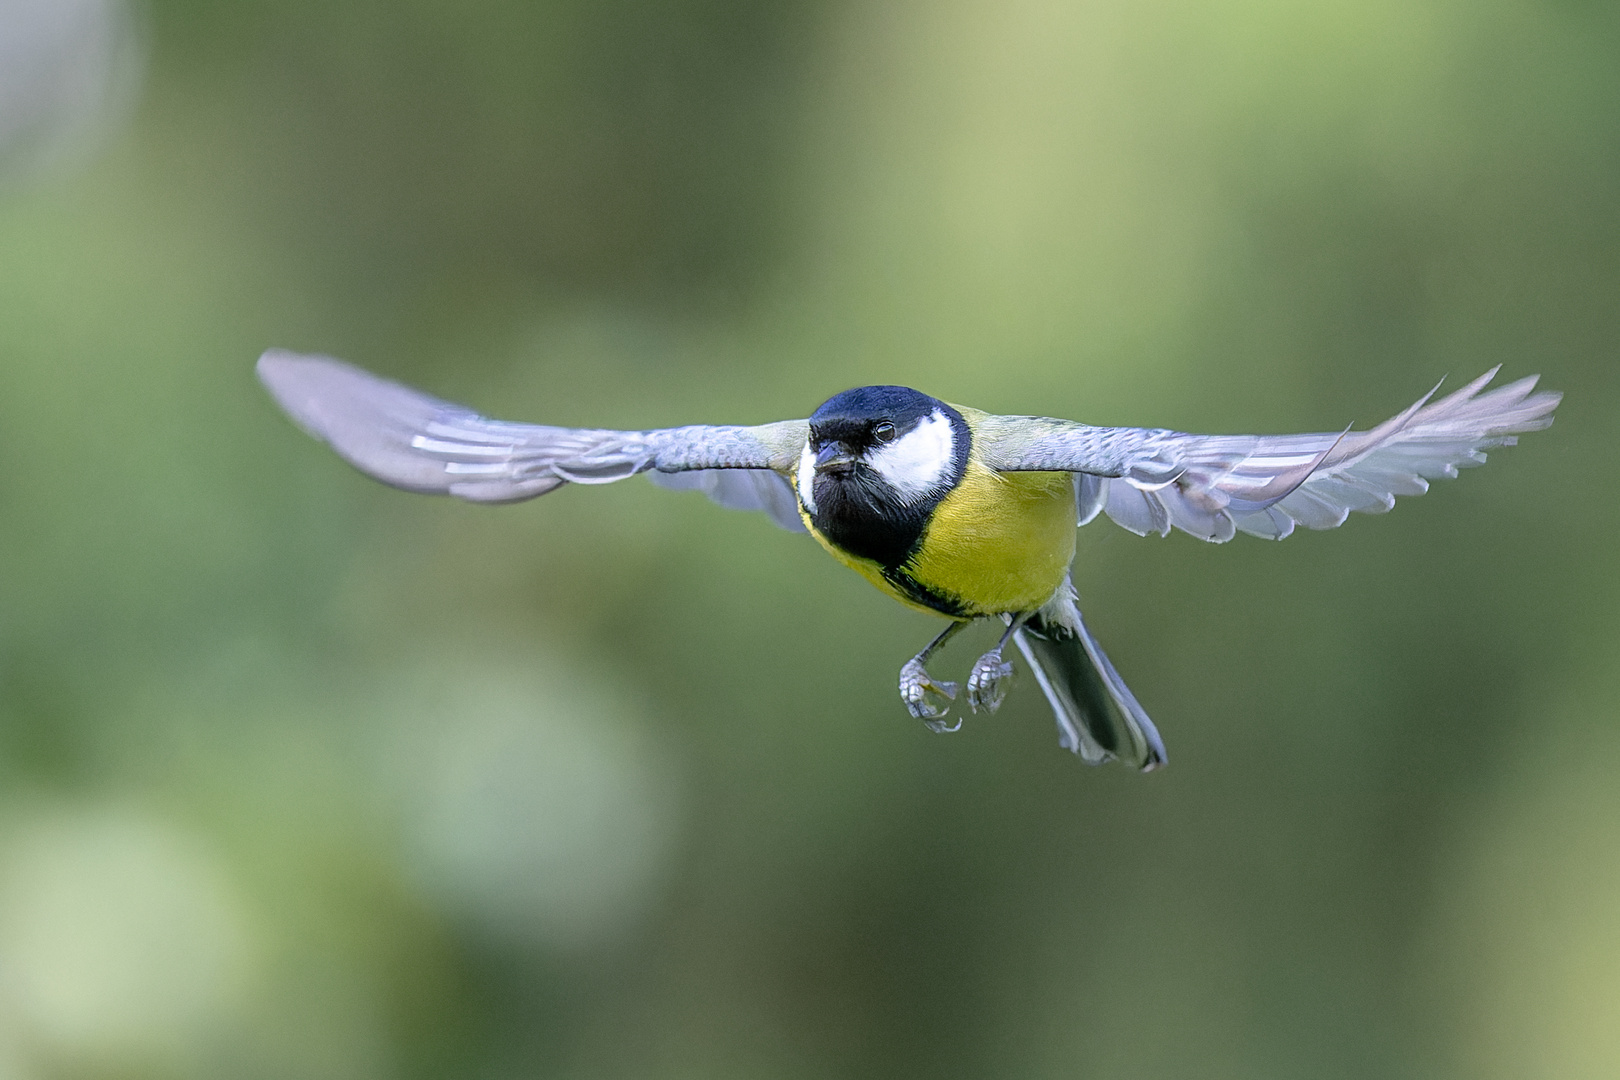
[987, 683]
[920, 693]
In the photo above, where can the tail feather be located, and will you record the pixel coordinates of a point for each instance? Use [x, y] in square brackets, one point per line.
[1097, 715]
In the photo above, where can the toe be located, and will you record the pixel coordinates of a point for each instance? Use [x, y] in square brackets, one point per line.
[987, 685]
[925, 699]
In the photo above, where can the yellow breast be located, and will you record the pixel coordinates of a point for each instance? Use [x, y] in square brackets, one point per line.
[1000, 541]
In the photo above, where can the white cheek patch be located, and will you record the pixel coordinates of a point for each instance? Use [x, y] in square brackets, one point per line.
[807, 478]
[918, 463]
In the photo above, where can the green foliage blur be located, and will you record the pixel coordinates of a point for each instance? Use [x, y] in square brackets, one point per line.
[302, 777]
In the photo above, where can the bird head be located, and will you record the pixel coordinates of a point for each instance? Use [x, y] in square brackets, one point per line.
[879, 451]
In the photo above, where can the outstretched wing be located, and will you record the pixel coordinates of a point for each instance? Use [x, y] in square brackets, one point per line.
[1214, 486]
[405, 438]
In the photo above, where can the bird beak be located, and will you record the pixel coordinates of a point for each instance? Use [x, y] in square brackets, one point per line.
[834, 458]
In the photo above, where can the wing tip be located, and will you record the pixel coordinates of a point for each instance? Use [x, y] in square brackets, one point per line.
[278, 368]
[301, 383]
[283, 374]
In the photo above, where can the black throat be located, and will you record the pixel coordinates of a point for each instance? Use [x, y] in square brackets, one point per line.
[859, 513]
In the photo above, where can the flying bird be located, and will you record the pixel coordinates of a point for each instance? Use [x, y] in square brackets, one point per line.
[949, 510]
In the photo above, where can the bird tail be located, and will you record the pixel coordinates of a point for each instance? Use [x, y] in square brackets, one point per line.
[1097, 715]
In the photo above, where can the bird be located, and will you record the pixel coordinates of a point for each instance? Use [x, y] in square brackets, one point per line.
[949, 510]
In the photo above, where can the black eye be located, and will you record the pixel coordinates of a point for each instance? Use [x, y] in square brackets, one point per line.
[883, 432]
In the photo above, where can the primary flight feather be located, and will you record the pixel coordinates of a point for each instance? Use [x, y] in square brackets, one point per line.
[949, 510]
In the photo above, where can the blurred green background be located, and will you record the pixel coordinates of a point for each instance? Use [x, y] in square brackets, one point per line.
[303, 777]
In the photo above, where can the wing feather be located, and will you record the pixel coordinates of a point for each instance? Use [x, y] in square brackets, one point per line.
[411, 440]
[1213, 486]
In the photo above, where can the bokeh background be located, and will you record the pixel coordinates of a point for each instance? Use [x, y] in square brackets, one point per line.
[301, 777]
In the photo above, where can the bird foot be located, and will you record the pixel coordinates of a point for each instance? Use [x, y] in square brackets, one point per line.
[926, 699]
[987, 682]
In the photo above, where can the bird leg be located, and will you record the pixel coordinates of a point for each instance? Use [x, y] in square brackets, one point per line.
[919, 691]
[987, 681]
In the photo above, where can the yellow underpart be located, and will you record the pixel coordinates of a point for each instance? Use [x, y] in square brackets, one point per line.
[999, 542]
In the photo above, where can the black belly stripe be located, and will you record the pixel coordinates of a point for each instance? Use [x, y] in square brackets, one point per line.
[894, 568]
[915, 591]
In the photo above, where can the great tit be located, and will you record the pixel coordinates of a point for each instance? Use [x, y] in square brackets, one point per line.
[947, 509]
